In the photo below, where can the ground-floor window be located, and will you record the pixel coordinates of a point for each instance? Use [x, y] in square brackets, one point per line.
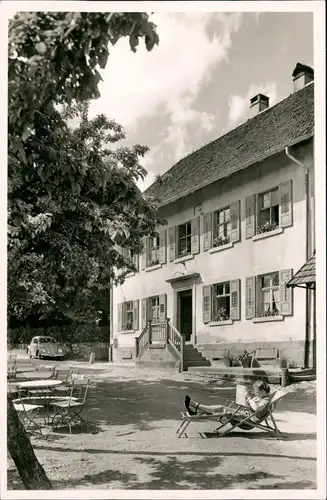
[221, 302]
[154, 309]
[269, 294]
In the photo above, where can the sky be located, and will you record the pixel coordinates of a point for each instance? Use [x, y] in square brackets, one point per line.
[197, 84]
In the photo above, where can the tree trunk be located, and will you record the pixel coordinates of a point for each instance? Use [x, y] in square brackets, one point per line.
[30, 470]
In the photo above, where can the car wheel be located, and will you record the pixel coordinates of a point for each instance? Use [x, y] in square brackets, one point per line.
[38, 355]
[61, 358]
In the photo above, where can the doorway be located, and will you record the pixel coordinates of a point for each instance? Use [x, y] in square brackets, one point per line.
[185, 313]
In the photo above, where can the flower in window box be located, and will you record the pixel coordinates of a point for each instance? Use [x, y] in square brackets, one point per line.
[222, 315]
[220, 240]
[270, 312]
[267, 227]
[183, 253]
[154, 262]
[129, 326]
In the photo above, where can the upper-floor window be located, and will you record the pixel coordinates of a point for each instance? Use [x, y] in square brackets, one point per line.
[184, 234]
[268, 211]
[221, 227]
[154, 250]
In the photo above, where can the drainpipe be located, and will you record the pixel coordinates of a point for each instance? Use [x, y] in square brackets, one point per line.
[307, 243]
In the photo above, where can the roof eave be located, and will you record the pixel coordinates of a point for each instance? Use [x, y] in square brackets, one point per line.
[294, 143]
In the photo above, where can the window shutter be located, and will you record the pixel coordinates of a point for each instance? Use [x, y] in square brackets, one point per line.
[235, 221]
[206, 305]
[120, 316]
[285, 204]
[235, 300]
[285, 294]
[250, 297]
[195, 235]
[135, 314]
[207, 232]
[162, 307]
[143, 254]
[250, 216]
[136, 261]
[144, 315]
[162, 247]
[172, 243]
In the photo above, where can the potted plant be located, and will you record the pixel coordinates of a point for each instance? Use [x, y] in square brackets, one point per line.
[267, 227]
[220, 240]
[154, 262]
[129, 326]
[222, 315]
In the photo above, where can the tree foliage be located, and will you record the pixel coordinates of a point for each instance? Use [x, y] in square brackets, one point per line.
[72, 197]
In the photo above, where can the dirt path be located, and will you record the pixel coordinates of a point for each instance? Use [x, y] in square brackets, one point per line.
[133, 444]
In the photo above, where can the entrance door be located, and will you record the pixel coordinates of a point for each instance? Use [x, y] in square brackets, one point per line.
[185, 313]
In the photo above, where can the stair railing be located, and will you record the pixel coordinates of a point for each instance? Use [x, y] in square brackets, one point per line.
[177, 341]
[143, 340]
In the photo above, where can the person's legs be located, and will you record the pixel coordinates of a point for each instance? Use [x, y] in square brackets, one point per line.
[193, 407]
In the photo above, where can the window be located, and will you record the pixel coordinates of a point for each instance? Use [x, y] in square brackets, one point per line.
[128, 316]
[269, 295]
[268, 211]
[154, 309]
[221, 302]
[184, 239]
[153, 251]
[221, 227]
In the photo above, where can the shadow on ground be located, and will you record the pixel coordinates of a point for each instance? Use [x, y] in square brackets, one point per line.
[173, 474]
[122, 402]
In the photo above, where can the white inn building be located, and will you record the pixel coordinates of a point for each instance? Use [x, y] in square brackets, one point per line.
[240, 215]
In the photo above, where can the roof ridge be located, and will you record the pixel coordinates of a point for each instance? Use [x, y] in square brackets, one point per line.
[233, 129]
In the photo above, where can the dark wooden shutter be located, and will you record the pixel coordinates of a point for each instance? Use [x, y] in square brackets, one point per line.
[285, 204]
[135, 314]
[206, 303]
[143, 254]
[250, 297]
[172, 243]
[120, 316]
[207, 231]
[235, 302]
[235, 221]
[195, 235]
[285, 294]
[162, 247]
[250, 216]
[162, 307]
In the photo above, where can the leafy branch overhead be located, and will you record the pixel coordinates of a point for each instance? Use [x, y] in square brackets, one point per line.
[72, 196]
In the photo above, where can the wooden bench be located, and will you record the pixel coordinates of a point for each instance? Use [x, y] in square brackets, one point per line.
[268, 354]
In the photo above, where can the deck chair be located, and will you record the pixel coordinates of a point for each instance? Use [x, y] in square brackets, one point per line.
[68, 411]
[27, 413]
[234, 418]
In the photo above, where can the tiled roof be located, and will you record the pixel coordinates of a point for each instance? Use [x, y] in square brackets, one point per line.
[306, 275]
[285, 124]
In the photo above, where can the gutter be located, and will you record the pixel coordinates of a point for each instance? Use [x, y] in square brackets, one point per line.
[307, 243]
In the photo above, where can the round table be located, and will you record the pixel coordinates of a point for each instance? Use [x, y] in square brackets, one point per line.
[21, 368]
[39, 384]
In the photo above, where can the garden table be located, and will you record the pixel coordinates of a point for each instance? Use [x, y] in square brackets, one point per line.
[41, 393]
[25, 369]
[35, 375]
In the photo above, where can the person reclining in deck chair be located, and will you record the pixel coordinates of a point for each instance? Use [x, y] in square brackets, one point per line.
[257, 402]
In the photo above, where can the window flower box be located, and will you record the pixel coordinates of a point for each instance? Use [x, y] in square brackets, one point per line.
[265, 314]
[220, 240]
[154, 262]
[128, 326]
[183, 253]
[222, 315]
[267, 227]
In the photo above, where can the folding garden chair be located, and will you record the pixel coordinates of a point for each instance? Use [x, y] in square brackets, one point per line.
[69, 411]
[64, 391]
[27, 413]
[236, 419]
[11, 371]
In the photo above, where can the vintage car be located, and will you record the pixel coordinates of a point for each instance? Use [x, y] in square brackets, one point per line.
[45, 347]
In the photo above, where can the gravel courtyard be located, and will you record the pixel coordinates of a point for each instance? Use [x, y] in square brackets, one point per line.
[132, 442]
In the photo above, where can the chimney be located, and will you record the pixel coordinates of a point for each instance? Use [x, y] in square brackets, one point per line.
[258, 103]
[302, 75]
